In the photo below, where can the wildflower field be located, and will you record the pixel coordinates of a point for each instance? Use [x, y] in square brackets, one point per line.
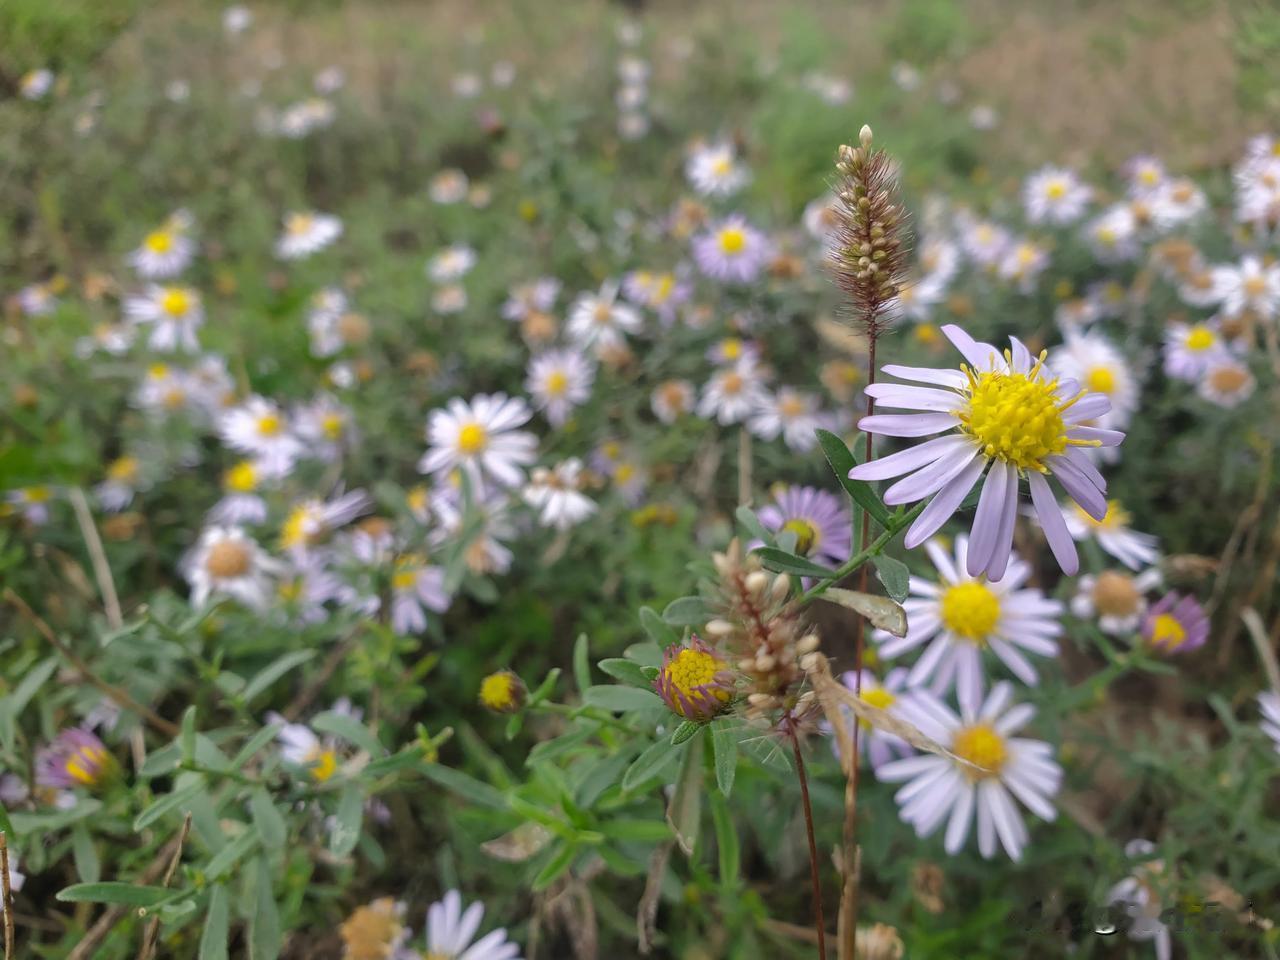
[589, 480]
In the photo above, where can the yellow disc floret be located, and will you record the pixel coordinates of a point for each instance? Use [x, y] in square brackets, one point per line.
[970, 610]
[982, 746]
[732, 240]
[689, 683]
[806, 534]
[1101, 380]
[1167, 631]
[502, 692]
[472, 439]
[159, 241]
[1016, 417]
[175, 301]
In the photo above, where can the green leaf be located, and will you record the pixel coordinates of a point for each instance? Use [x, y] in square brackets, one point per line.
[724, 743]
[748, 520]
[410, 756]
[6, 826]
[651, 763]
[581, 666]
[880, 611]
[628, 671]
[264, 928]
[842, 461]
[188, 736]
[894, 575]
[232, 853]
[687, 612]
[17, 701]
[349, 729]
[685, 809]
[561, 860]
[621, 699]
[726, 842]
[112, 891]
[256, 743]
[186, 787]
[465, 786]
[267, 818]
[684, 732]
[659, 630]
[213, 939]
[88, 866]
[780, 561]
[636, 830]
[274, 671]
[645, 654]
[345, 832]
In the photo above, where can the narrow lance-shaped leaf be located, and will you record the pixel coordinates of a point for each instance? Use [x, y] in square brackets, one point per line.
[842, 461]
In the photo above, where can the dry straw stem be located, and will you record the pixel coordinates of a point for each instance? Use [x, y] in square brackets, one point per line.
[98, 558]
[1258, 633]
[153, 927]
[114, 693]
[8, 895]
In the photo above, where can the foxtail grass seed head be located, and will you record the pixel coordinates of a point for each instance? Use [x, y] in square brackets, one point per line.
[868, 254]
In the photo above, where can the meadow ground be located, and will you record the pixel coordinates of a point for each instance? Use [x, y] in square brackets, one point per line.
[426, 437]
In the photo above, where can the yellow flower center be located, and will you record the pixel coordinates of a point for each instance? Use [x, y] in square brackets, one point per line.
[791, 406]
[1100, 380]
[980, 745]
[673, 395]
[404, 579]
[1016, 417]
[331, 424]
[1115, 595]
[1167, 632]
[323, 764]
[877, 697]
[176, 302]
[290, 591]
[1199, 338]
[1107, 236]
[623, 474]
[301, 527]
[662, 288]
[1228, 379]
[123, 470]
[1116, 516]
[498, 691]
[227, 559]
[722, 166]
[417, 498]
[159, 241]
[88, 764]
[970, 610]
[241, 478]
[731, 383]
[269, 424]
[299, 223]
[557, 383]
[690, 670]
[472, 439]
[731, 348]
[928, 334]
[1255, 286]
[1056, 190]
[732, 240]
[806, 534]
[37, 494]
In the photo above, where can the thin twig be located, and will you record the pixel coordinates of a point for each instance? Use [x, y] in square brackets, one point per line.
[8, 896]
[312, 689]
[647, 911]
[744, 467]
[88, 945]
[1258, 633]
[814, 880]
[98, 558]
[153, 927]
[119, 696]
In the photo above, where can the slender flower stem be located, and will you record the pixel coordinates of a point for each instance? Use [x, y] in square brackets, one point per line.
[589, 713]
[896, 526]
[814, 880]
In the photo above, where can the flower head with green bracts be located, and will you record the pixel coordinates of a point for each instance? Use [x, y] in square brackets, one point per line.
[694, 682]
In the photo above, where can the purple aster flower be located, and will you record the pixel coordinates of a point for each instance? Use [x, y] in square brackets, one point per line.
[76, 758]
[732, 251]
[818, 518]
[1176, 624]
[694, 682]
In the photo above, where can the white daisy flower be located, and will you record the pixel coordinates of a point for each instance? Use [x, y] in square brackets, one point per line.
[1022, 263]
[488, 523]
[480, 436]
[32, 503]
[671, 400]
[1113, 236]
[212, 388]
[962, 616]
[1269, 702]
[1146, 175]
[226, 561]
[449, 299]
[1002, 411]
[905, 76]
[305, 117]
[35, 84]
[714, 171]
[559, 381]
[329, 80]
[37, 300]
[1115, 598]
[451, 933]
[1198, 289]
[1135, 550]
[124, 480]
[1190, 348]
[416, 587]
[732, 251]
[260, 428]
[1226, 382]
[1177, 202]
[303, 747]
[601, 319]
[1056, 196]
[311, 521]
[791, 414]
[538, 296]
[733, 393]
[236, 19]
[556, 496]
[1074, 315]
[1137, 894]
[240, 503]
[164, 253]
[1093, 361]
[1003, 767]
[175, 313]
[327, 429]
[451, 263]
[916, 301]
[1249, 286]
[633, 125]
[307, 233]
[111, 338]
[983, 241]
[448, 186]
[878, 746]
[304, 588]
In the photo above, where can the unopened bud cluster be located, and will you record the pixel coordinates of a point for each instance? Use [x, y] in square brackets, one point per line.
[869, 256]
[762, 631]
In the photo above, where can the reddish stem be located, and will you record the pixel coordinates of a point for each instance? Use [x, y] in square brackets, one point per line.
[814, 879]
